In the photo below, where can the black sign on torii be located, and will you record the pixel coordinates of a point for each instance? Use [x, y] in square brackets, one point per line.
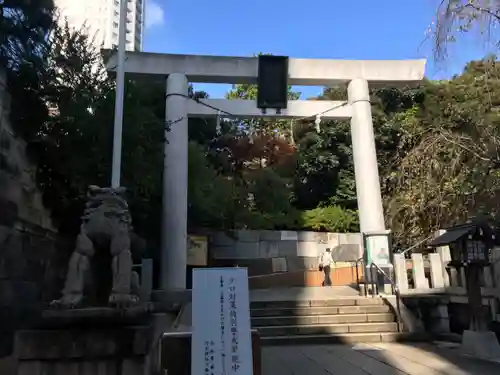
[272, 82]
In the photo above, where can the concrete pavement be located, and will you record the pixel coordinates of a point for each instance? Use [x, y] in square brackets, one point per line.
[373, 359]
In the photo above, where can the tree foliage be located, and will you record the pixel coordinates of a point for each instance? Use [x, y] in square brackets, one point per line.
[437, 146]
[24, 27]
[446, 168]
[69, 128]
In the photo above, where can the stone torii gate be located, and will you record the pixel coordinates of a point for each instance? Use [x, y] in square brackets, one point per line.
[179, 70]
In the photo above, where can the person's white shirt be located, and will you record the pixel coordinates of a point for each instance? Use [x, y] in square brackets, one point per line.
[326, 259]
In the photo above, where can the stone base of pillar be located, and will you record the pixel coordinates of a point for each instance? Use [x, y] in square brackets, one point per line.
[87, 350]
[481, 344]
[441, 319]
[408, 319]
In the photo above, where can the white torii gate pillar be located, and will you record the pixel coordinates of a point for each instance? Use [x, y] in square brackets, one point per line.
[371, 214]
[175, 185]
[369, 197]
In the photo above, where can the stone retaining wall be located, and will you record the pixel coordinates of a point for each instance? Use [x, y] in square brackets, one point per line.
[340, 276]
[27, 236]
[273, 252]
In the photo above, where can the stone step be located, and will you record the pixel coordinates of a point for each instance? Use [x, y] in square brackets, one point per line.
[344, 338]
[318, 329]
[325, 310]
[321, 319]
[341, 301]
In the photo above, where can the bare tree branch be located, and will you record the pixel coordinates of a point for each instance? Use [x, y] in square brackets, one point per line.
[457, 17]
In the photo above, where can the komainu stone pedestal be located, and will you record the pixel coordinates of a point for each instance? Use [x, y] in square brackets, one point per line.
[481, 344]
[86, 350]
[175, 353]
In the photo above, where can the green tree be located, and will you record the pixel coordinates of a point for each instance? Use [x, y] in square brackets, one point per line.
[321, 159]
[215, 200]
[24, 31]
[72, 145]
[255, 126]
[437, 147]
[446, 167]
[331, 218]
[24, 27]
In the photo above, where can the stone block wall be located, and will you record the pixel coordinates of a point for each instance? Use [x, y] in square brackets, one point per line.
[19, 196]
[271, 252]
[27, 237]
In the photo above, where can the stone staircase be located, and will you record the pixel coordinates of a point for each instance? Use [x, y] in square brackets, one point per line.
[337, 320]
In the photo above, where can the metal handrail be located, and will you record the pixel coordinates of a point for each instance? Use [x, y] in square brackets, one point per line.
[395, 290]
[417, 244]
[357, 275]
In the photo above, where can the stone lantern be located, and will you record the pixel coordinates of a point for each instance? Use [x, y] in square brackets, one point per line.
[470, 247]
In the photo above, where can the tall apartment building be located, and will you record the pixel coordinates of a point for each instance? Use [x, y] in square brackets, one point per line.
[102, 18]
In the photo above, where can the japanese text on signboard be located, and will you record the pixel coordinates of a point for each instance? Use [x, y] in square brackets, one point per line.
[233, 317]
[221, 340]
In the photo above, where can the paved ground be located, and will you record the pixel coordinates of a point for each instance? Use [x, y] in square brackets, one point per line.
[372, 359]
[301, 293]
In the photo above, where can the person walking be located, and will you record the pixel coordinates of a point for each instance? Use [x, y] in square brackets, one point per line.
[325, 264]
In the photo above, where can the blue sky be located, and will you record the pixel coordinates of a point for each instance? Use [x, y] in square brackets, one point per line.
[349, 29]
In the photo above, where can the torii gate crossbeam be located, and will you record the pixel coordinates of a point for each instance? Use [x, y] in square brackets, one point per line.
[181, 69]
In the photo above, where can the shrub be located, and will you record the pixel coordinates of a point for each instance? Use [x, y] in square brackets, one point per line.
[331, 219]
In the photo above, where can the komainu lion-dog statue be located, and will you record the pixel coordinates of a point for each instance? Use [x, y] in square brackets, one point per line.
[106, 224]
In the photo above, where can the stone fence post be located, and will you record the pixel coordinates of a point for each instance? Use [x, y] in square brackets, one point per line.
[419, 279]
[445, 257]
[401, 272]
[437, 271]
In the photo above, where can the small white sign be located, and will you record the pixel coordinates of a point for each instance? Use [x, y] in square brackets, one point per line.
[221, 341]
[197, 250]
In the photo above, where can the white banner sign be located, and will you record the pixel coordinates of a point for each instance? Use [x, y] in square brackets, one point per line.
[221, 341]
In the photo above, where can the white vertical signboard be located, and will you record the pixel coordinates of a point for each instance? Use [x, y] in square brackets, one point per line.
[221, 341]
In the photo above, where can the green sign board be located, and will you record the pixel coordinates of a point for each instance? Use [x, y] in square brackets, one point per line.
[377, 248]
